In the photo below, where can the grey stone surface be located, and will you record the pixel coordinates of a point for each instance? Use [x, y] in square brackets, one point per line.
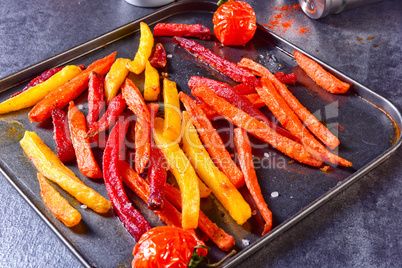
[358, 228]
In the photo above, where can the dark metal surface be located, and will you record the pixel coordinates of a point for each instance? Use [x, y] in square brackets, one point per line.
[366, 141]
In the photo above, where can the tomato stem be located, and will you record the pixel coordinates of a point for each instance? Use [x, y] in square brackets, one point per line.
[221, 2]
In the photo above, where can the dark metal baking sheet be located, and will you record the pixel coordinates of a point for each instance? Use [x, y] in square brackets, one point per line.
[368, 137]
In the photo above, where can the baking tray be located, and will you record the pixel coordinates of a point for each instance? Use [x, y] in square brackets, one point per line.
[366, 124]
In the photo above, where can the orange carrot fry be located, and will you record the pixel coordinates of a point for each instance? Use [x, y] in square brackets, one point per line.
[315, 126]
[289, 120]
[85, 159]
[59, 206]
[246, 164]
[60, 97]
[256, 100]
[136, 104]
[319, 75]
[254, 127]
[223, 240]
[168, 214]
[212, 141]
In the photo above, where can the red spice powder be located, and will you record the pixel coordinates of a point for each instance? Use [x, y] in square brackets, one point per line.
[284, 19]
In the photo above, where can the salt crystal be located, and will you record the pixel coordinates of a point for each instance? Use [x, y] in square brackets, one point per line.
[80, 107]
[83, 206]
[245, 242]
[274, 194]
[169, 56]
[266, 154]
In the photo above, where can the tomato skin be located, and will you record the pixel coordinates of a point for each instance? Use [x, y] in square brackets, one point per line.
[234, 23]
[166, 246]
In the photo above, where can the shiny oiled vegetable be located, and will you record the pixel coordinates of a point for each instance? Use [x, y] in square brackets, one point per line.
[220, 185]
[59, 206]
[184, 173]
[115, 77]
[47, 163]
[137, 66]
[37, 93]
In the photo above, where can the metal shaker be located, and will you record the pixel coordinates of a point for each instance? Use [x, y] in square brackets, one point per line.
[317, 9]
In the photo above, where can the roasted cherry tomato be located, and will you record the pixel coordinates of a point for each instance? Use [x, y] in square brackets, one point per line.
[234, 23]
[166, 246]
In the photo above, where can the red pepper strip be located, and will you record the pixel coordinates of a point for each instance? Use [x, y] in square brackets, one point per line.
[286, 78]
[60, 97]
[158, 57]
[168, 214]
[136, 104]
[157, 178]
[39, 79]
[96, 97]
[246, 164]
[223, 240]
[244, 89]
[224, 66]
[226, 92]
[253, 126]
[85, 159]
[134, 222]
[186, 30]
[116, 107]
[61, 136]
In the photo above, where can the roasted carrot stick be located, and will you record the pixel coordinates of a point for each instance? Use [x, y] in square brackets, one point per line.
[213, 142]
[223, 240]
[319, 75]
[136, 104]
[60, 97]
[289, 120]
[85, 159]
[168, 214]
[96, 97]
[116, 106]
[253, 126]
[255, 100]
[224, 66]
[315, 126]
[246, 164]
[226, 92]
[59, 206]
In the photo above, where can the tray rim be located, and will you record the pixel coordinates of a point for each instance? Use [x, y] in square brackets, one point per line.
[97, 43]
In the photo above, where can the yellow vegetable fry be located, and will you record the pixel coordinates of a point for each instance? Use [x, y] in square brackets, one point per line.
[59, 206]
[172, 126]
[115, 77]
[137, 66]
[185, 176]
[151, 85]
[47, 163]
[216, 180]
[35, 94]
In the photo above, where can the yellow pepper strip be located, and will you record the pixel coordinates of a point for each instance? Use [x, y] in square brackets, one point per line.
[59, 206]
[36, 93]
[115, 77]
[218, 182]
[151, 85]
[185, 176]
[172, 127]
[47, 163]
[137, 66]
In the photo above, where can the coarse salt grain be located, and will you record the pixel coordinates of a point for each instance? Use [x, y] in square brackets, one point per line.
[245, 242]
[169, 56]
[83, 206]
[266, 154]
[274, 194]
